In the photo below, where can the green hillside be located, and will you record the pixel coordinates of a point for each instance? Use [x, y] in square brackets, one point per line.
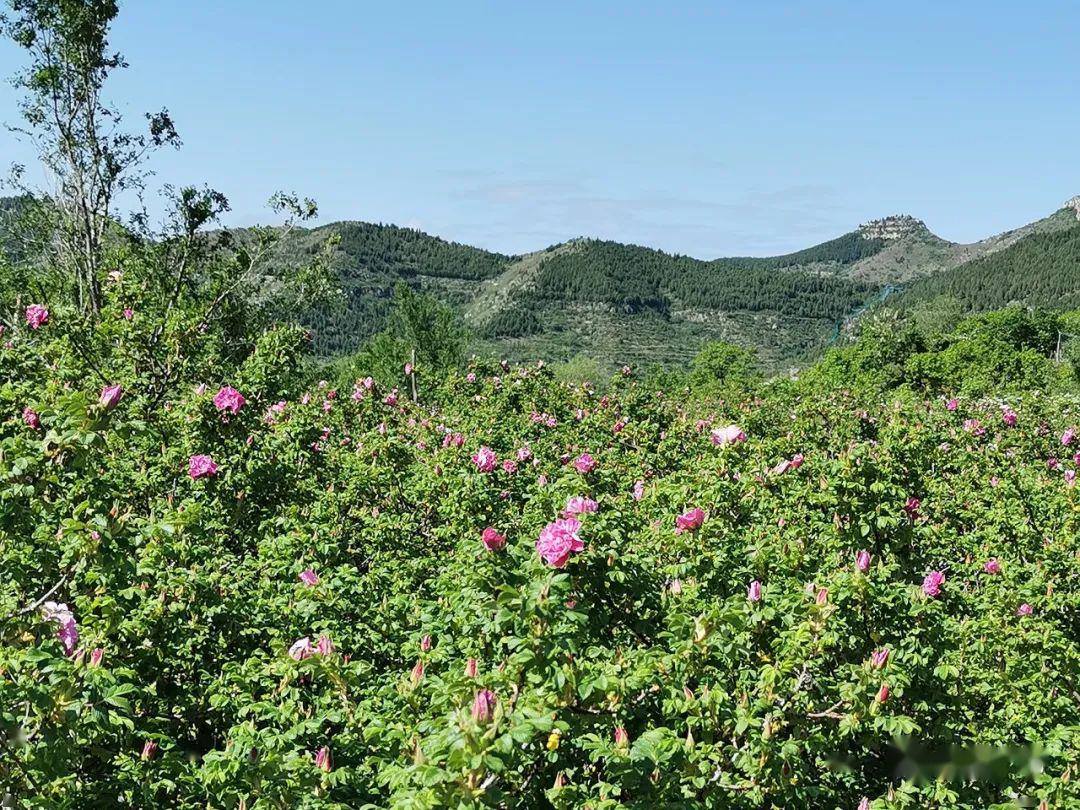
[1042, 269]
[609, 301]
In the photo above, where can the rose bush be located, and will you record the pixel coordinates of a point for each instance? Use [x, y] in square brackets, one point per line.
[246, 588]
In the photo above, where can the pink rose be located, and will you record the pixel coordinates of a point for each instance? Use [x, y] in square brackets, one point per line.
[753, 592]
[689, 521]
[309, 578]
[932, 583]
[200, 466]
[110, 396]
[584, 464]
[862, 561]
[32, 420]
[483, 705]
[992, 566]
[36, 316]
[229, 399]
[485, 459]
[558, 540]
[492, 540]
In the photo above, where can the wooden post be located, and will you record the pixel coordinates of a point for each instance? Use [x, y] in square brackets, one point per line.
[412, 373]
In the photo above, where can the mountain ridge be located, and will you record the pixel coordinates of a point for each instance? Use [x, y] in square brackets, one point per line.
[613, 302]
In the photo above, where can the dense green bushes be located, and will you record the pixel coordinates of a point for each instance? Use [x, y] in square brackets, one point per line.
[638, 675]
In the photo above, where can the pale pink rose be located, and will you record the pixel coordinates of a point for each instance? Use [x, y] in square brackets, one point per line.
[753, 592]
[952, 404]
[129, 313]
[301, 649]
[324, 646]
[732, 434]
[579, 505]
[1067, 437]
[1024, 610]
[639, 490]
[485, 459]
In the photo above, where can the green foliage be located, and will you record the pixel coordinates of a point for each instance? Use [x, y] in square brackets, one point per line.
[191, 587]
[1009, 350]
[721, 367]
[420, 331]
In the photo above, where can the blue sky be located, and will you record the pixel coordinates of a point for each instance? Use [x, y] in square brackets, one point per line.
[707, 128]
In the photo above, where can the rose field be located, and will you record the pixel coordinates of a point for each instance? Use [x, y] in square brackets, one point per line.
[283, 526]
[254, 588]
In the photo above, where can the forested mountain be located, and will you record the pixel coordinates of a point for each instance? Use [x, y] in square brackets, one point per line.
[1041, 270]
[614, 303]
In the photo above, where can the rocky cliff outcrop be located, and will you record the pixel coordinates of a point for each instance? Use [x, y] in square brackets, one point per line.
[894, 227]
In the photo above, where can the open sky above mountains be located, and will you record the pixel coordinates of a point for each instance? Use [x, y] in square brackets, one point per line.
[710, 129]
